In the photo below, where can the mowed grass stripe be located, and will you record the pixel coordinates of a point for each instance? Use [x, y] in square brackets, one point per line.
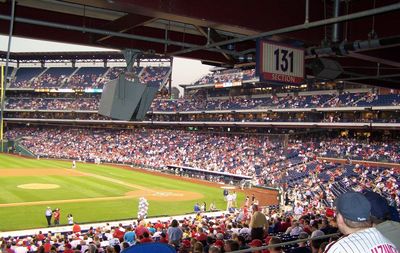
[80, 187]
[17, 162]
[147, 180]
[140, 178]
[96, 187]
[14, 162]
[7, 162]
[9, 195]
[12, 194]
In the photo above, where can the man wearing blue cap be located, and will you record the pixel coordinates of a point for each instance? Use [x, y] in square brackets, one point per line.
[353, 216]
[384, 217]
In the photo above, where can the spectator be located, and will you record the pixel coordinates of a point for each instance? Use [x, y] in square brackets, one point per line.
[129, 236]
[242, 243]
[255, 244]
[146, 238]
[316, 245]
[354, 221]
[257, 224]
[214, 249]
[231, 245]
[302, 248]
[276, 249]
[198, 247]
[381, 217]
[164, 238]
[295, 229]
[174, 233]
[76, 228]
[68, 248]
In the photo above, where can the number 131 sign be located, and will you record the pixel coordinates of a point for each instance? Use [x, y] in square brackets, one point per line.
[280, 63]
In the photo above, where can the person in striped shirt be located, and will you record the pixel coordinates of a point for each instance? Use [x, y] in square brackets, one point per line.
[353, 215]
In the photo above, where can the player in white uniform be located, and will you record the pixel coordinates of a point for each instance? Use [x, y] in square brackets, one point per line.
[234, 197]
[353, 219]
[229, 201]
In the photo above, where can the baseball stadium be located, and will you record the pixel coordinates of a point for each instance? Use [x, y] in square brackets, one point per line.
[281, 136]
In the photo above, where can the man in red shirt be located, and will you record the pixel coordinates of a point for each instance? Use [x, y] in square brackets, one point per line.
[158, 225]
[47, 246]
[146, 238]
[56, 216]
[40, 236]
[285, 225]
[119, 233]
[68, 248]
[76, 228]
[164, 238]
[141, 229]
[9, 249]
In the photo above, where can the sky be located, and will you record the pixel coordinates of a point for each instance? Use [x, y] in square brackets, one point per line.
[184, 70]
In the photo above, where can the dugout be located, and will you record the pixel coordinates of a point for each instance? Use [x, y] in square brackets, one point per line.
[212, 176]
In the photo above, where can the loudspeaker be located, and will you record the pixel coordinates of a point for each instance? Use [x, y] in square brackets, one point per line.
[326, 68]
[126, 100]
[145, 102]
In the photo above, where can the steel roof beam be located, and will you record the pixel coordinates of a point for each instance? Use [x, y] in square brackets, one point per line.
[374, 59]
[213, 36]
[361, 14]
[124, 24]
[111, 33]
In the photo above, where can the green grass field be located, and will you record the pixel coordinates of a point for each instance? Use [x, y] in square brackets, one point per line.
[90, 195]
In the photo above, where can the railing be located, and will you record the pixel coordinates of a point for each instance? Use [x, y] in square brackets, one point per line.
[285, 243]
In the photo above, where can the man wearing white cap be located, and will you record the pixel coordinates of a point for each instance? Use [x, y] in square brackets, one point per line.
[49, 214]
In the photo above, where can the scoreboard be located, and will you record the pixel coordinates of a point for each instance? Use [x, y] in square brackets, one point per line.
[279, 63]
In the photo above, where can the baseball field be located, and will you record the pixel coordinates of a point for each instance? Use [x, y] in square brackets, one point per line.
[91, 192]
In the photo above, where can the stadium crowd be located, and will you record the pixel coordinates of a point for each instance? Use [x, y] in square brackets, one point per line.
[227, 76]
[198, 233]
[288, 101]
[153, 75]
[296, 166]
[84, 77]
[201, 103]
[228, 117]
[53, 103]
[237, 154]
[243, 228]
[57, 115]
[87, 80]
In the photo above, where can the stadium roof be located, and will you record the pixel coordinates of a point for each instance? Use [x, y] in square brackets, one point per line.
[220, 32]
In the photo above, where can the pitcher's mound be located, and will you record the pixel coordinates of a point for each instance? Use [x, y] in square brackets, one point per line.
[38, 186]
